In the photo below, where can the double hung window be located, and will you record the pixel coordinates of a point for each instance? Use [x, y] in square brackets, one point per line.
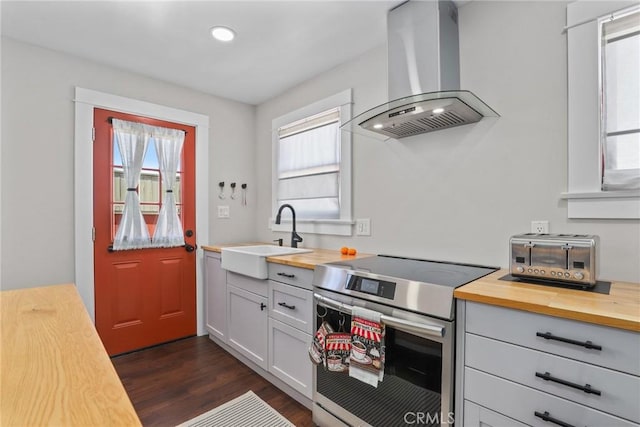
[620, 115]
[312, 166]
[603, 109]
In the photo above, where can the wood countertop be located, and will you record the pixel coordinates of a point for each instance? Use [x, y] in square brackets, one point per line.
[620, 309]
[55, 370]
[307, 260]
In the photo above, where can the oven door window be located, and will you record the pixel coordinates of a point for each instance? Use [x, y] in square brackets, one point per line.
[411, 386]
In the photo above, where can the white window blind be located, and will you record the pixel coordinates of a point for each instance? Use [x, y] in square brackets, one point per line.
[620, 115]
[309, 165]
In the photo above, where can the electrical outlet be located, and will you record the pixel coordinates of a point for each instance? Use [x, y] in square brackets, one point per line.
[540, 227]
[363, 227]
[223, 211]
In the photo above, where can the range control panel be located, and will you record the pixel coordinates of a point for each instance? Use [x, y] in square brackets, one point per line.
[380, 288]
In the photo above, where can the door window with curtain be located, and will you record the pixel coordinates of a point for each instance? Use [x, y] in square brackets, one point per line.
[308, 166]
[146, 186]
[620, 106]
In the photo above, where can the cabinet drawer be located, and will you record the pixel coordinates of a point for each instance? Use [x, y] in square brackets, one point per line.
[295, 276]
[619, 391]
[522, 403]
[289, 356]
[477, 416]
[257, 286]
[620, 348]
[291, 305]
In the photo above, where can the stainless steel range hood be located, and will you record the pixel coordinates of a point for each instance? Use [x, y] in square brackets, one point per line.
[424, 75]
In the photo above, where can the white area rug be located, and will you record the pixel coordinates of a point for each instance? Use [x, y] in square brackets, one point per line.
[243, 411]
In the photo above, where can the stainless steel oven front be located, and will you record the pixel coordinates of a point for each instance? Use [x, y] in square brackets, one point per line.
[417, 388]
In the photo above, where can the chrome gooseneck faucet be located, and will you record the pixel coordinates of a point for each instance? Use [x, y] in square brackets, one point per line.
[295, 237]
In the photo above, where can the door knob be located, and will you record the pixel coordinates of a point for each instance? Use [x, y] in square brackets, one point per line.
[189, 248]
[188, 233]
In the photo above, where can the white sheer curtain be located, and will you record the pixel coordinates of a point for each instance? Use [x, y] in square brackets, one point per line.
[168, 146]
[132, 139]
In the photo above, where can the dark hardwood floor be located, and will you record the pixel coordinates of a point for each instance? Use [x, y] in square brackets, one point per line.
[174, 382]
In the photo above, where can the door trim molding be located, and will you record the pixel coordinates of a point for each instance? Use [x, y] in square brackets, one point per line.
[85, 101]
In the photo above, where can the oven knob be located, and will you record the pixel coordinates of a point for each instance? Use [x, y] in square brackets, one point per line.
[553, 273]
[530, 270]
[535, 271]
[578, 275]
[520, 269]
[567, 274]
[541, 271]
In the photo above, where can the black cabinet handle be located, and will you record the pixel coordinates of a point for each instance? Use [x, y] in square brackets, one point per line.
[586, 388]
[546, 417]
[290, 276]
[285, 305]
[262, 306]
[585, 344]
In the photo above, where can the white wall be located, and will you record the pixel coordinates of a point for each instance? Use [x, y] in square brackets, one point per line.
[37, 156]
[459, 194]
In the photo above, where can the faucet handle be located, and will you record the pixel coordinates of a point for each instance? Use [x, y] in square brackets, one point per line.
[279, 241]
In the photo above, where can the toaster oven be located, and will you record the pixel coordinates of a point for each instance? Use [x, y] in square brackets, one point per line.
[566, 258]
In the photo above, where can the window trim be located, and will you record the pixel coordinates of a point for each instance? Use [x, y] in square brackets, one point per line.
[585, 198]
[343, 225]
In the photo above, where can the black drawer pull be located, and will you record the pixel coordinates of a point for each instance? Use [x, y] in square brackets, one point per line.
[290, 276]
[285, 305]
[585, 344]
[546, 417]
[586, 388]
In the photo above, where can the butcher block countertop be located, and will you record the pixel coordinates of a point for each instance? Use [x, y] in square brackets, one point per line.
[307, 260]
[620, 309]
[55, 370]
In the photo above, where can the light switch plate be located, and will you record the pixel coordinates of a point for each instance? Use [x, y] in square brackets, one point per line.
[363, 227]
[223, 211]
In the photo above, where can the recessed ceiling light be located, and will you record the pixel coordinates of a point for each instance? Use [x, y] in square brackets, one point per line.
[438, 110]
[377, 126]
[223, 34]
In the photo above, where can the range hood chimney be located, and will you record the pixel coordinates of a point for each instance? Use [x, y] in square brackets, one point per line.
[424, 75]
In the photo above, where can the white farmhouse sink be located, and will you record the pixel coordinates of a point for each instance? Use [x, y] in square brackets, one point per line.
[252, 260]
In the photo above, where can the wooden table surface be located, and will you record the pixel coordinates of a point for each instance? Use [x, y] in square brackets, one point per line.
[620, 309]
[54, 368]
[307, 260]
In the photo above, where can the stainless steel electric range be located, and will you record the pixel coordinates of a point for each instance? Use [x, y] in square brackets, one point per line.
[415, 300]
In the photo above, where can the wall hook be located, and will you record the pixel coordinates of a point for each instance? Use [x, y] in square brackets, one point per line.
[244, 194]
[221, 185]
[233, 190]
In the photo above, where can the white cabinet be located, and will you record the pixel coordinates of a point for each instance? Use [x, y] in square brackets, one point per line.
[215, 296]
[288, 356]
[543, 370]
[247, 324]
[290, 326]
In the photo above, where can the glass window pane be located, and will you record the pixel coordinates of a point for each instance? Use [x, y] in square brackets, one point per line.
[177, 189]
[119, 185]
[117, 159]
[623, 152]
[149, 189]
[151, 156]
[623, 84]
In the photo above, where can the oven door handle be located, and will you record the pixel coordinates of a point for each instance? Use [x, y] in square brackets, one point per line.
[394, 322]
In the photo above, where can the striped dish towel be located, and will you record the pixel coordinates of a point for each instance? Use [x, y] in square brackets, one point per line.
[367, 346]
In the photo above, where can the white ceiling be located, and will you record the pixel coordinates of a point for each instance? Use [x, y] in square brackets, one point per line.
[279, 44]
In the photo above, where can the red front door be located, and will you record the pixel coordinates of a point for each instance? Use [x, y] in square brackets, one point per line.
[144, 296]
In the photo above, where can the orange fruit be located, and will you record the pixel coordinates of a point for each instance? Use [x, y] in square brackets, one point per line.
[344, 250]
[351, 251]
